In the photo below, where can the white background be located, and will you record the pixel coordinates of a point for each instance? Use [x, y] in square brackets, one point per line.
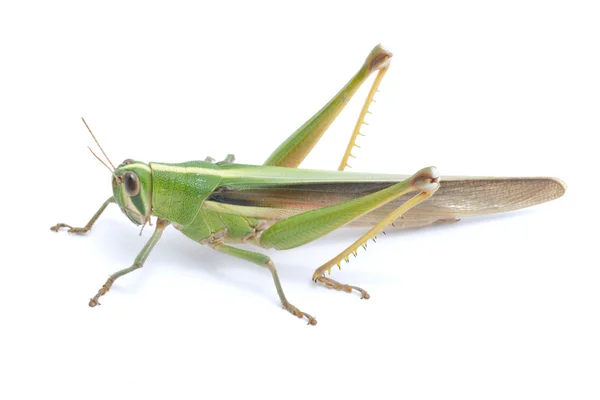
[503, 307]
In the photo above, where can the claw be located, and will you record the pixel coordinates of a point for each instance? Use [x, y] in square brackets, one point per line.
[57, 227]
[332, 284]
[70, 229]
[293, 310]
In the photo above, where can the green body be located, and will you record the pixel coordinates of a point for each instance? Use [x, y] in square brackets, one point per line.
[214, 203]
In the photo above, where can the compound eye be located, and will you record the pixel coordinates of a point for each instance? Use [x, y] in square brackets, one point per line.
[132, 183]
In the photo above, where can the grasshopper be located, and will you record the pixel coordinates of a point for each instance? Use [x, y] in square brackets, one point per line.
[276, 205]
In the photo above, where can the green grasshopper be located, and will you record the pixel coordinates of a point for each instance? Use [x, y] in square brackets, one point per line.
[276, 205]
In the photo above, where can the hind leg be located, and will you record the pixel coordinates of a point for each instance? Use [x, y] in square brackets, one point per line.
[296, 147]
[319, 274]
[311, 225]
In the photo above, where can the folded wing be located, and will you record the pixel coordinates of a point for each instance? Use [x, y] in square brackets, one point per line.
[457, 197]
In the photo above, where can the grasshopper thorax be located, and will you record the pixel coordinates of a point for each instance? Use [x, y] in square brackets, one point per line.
[132, 190]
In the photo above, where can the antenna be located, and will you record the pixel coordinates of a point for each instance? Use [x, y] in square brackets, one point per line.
[100, 147]
[103, 163]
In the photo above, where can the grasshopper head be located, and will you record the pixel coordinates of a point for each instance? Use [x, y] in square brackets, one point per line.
[132, 190]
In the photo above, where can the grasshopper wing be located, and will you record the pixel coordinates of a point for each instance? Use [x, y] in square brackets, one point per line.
[460, 197]
[457, 196]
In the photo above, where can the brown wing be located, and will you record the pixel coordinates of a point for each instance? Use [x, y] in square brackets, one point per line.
[462, 197]
[457, 197]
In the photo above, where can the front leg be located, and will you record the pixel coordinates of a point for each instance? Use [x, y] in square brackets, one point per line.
[161, 224]
[89, 225]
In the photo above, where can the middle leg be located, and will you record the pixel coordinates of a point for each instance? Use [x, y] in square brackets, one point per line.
[265, 262]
